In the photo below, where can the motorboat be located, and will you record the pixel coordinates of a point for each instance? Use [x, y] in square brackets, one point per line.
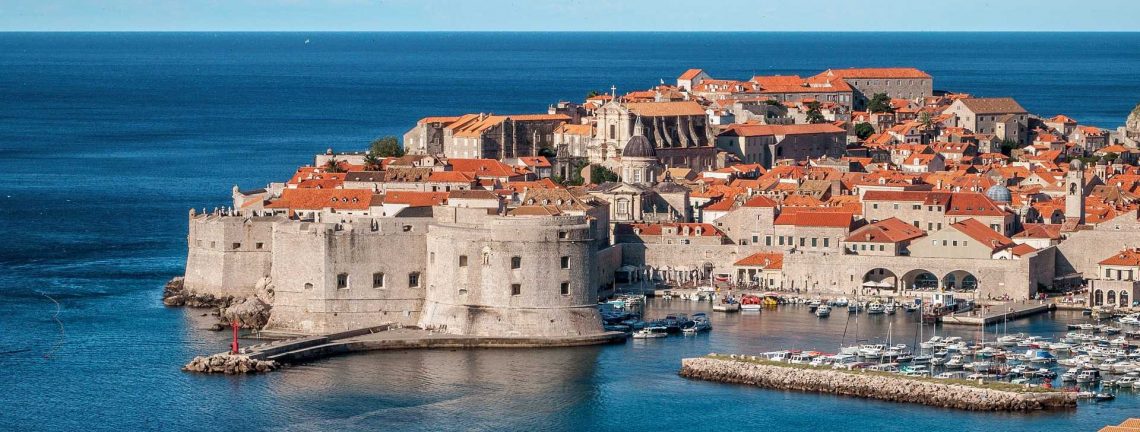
[840, 302]
[1088, 376]
[875, 308]
[823, 311]
[1010, 340]
[651, 332]
[1133, 319]
[955, 362]
[727, 305]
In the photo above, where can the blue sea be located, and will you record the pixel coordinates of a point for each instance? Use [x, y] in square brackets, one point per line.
[107, 139]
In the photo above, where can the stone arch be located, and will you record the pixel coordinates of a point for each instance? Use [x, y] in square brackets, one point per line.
[1111, 297]
[880, 278]
[1098, 298]
[920, 279]
[960, 280]
[1123, 301]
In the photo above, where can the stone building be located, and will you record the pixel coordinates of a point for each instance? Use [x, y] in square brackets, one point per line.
[672, 125]
[484, 135]
[1003, 117]
[897, 83]
[767, 144]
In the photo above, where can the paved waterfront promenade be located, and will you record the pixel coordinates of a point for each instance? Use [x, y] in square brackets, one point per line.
[1000, 312]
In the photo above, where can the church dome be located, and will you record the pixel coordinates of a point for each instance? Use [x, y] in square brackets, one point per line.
[999, 194]
[638, 145]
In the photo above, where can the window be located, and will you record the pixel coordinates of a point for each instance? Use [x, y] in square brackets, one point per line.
[237, 245]
[259, 245]
[863, 247]
[516, 289]
[613, 131]
[875, 206]
[407, 228]
[565, 262]
[516, 262]
[755, 239]
[463, 260]
[917, 207]
[943, 242]
[955, 243]
[781, 240]
[813, 242]
[308, 286]
[564, 288]
[342, 281]
[896, 206]
[934, 242]
[414, 280]
[562, 234]
[685, 241]
[826, 242]
[881, 248]
[431, 258]
[378, 280]
[802, 241]
[768, 241]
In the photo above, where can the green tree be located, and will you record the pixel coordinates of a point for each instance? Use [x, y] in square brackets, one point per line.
[1007, 146]
[372, 162]
[387, 146]
[593, 93]
[926, 121]
[547, 152]
[600, 174]
[880, 103]
[864, 130]
[332, 166]
[814, 115]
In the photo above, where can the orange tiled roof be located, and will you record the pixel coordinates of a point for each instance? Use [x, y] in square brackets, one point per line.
[766, 260]
[666, 109]
[317, 199]
[1127, 257]
[892, 230]
[877, 73]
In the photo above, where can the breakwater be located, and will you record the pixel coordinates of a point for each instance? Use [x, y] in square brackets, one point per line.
[739, 369]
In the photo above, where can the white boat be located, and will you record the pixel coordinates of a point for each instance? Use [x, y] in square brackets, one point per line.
[955, 362]
[651, 333]
[726, 307]
[875, 308]
[1133, 319]
[823, 311]
[751, 307]
[1087, 377]
[840, 302]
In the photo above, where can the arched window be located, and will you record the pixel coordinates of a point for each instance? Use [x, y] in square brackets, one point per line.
[516, 262]
[1124, 299]
[1098, 298]
[1111, 297]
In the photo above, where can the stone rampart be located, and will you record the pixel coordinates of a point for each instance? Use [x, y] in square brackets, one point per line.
[880, 386]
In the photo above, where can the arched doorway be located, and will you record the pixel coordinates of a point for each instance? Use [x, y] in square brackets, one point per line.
[1124, 299]
[920, 279]
[1098, 298]
[880, 279]
[1111, 297]
[959, 280]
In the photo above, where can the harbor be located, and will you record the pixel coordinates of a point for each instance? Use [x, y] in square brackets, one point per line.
[1004, 312]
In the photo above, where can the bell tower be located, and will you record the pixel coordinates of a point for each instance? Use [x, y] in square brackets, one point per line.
[1075, 193]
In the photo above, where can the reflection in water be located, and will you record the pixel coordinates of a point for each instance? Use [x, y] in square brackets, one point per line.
[423, 390]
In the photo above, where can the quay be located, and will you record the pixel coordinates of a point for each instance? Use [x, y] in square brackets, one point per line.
[1004, 312]
[957, 394]
[386, 337]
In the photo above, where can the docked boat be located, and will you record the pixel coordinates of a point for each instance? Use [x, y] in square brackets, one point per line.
[955, 362]
[751, 303]
[726, 306]
[1133, 319]
[840, 302]
[875, 308]
[651, 333]
[823, 311]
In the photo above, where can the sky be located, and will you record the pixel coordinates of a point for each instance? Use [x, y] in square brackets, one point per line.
[569, 15]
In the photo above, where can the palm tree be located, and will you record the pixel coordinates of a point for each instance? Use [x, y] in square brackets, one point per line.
[332, 166]
[925, 123]
[371, 162]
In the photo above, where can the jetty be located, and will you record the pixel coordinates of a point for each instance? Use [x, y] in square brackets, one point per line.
[1001, 312]
[376, 338]
[950, 393]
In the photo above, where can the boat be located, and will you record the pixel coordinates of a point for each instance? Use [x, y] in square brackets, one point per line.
[1133, 319]
[651, 333]
[1100, 397]
[840, 302]
[875, 308]
[1088, 376]
[726, 306]
[751, 303]
[823, 311]
[955, 362]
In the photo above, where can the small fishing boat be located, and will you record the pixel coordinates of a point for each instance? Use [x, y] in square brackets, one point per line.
[651, 333]
[823, 311]
[875, 308]
[1100, 397]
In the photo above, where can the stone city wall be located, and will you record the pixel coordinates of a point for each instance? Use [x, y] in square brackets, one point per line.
[228, 255]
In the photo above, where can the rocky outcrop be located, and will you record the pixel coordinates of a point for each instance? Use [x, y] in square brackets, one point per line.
[893, 388]
[229, 364]
[250, 313]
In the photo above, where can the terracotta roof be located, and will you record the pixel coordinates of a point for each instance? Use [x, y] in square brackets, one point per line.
[481, 167]
[745, 130]
[317, 199]
[759, 201]
[993, 105]
[815, 218]
[766, 260]
[983, 234]
[890, 230]
[1040, 231]
[1023, 249]
[415, 198]
[666, 109]
[1127, 257]
[690, 74]
[575, 129]
[539, 117]
[904, 72]
[438, 119]
[536, 161]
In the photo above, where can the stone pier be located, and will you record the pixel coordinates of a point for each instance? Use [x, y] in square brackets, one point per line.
[739, 369]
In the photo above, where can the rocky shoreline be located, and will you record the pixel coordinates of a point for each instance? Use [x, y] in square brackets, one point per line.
[250, 312]
[230, 364]
[739, 369]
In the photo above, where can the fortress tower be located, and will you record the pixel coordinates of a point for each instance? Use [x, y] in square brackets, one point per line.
[1074, 193]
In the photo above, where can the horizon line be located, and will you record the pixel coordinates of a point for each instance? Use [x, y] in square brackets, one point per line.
[563, 31]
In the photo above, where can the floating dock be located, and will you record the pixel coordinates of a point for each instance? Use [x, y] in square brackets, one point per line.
[1003, 312]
